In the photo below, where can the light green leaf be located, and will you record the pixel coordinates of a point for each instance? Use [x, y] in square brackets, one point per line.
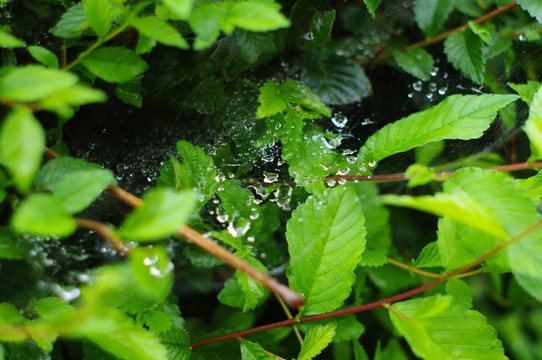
[9, 244]
[65, 101]
[429, 256]
[455, 206]
[162, 213]
[431, 15]
[316, 340]
[417, 62]
[130, 342]
[271, 102]
[425, 154]
[152, 270]
[532, 187]
[205, 21]
[253, 351]
[464, 51]
[44, 56]
[160, 31]
[534, 7]
[331, 232]
[72, 23]
[418, 174]
[53, 309]
[181, 8]
[372, 5]
[531, 284]
[457, 117]
[260, 15]
[373, 258]
[54, 171]
[199, 168]
[254, 292]
[115, 64]
[9, 41]
[533, 125]
[252, 44]
[526, 91]
[42, 215]
[336, 80]
[437, 327]
[459, 291]
[34, 82]
[22, 142]
[177, 343]
[99, 14]
[295, 93]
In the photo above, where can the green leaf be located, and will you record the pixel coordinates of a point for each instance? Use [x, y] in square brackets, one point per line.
[332, 232]
[156, 321]
[181, 8]
[9, 41]
[253, 351]
[199, 168]
[44, 56]
[419, 175]
[65, 101]
[295, 93]
[464, 51]
[9, 244]
[42, 215]
[254, 292]
[271, 102]
[252, 44]
[533, 125]
[22, 142]
[459, 291]
[152, 270]
[318, 31]
[437, 327]
[115, 64]
[54, 171]
[160, 31]
[417, 62]
[34, 82]
[72, 23]
[534, 8]
[205, 21]
[532, 187]
[336, 80]
[431, 15]
[526, 91]
[177, 343]
[162, 213]
[316, 340]
[257, 16]
[130, 92]
[429, 256]
[373, 258]
[372, 5]
[99, 14]
[461, 117]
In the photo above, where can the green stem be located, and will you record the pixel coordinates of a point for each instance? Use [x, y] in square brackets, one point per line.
[414, 270]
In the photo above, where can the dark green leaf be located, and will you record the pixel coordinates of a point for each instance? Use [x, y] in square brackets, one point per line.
[160, 31]
[319, 30]
[44, 56]
[464, 51]
[199, 168]
[534, 7]
[99, 14]
[115, 64]
[72, 23]
[432, 14]
[372, 5]
[9, 244]
[417, 62]
[177, 343]
[253, 44]
[130, 92]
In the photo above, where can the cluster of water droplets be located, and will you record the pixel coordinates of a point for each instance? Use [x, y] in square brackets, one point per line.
[431, 90]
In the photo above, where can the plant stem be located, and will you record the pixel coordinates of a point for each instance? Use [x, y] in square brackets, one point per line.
[379, 303]
[289, 316]
[441, 37]
[105, 232]
[409, 268]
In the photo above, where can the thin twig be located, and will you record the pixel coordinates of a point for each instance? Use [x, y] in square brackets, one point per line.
[409, 268]
[105, 232]
[289, 316]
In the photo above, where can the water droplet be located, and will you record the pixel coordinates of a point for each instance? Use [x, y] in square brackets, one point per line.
[251, 239]
[331, 182]
[270, 178]
[417, 86]
[308, 36]
[221, 217]
[442, 90]
[522, 37]
[432, 87]
[238, 227]
[429, 96]
[339, 121]
[351, 159]
[367, 121]
[410, 95]
[254, 216]
[372, 164]
[341, 181]
[434, 71]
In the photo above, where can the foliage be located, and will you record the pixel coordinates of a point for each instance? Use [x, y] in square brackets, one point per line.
[271, 119]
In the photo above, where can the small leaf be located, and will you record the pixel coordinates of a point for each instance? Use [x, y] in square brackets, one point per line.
[160, 31]
[417, 62]
[99, 14]
[372, 5]
[295, 93]
[316, 340]
[526, 91]
[431, 15]
[437, 327]
[72, 23]
[181, 8]
[22, 142]
[130, 92]
[253, 351]
[373, 258]
[9, 41]
[199, 168]
[534, 7]
[318, 31]
[54, 171]
[44, 56]
[162, 213]
[459, 291]
[271, 102]
[42, 215]
[9, 244]
[253, 16]
[464, 51]
[115, 64]
[205, 21]
[429, 256]
[533, 125]
[152, 270]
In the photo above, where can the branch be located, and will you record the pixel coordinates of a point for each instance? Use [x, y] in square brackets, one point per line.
[105, 232]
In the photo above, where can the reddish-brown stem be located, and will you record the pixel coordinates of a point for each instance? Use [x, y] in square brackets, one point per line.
[105, 232]
[376, 304]
[442, 36]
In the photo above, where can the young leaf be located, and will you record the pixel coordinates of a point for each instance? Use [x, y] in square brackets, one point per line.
[9, 41]
[417, 62]
[22, 142]
[115, 64]
[437, 327]
[336, 79]
[160, 31]
[99, 14]
[205, 21]
[253, 351]
[199, 168]
[331, 232]
[316, 340]
[318, 32]
[162, 213]
[72, 23]
[152, 270]
[181, 8]
[429, 256]
[271, 101]
[526, 91]
[464, 51]
[457, 117]
[459, 291]
[42, 215]
[533, 125]
[253, 16]
[372, 5]
[534, 8]
[432, 14]
[44, 56]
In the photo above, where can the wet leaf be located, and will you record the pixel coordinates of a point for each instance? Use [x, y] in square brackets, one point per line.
[431, 15]
[115, 64]
[464, 51]
[417, 62]
[72, 23]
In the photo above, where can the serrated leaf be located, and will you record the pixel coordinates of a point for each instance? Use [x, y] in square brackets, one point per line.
[437, 327]
[459, 291]
[162, 213]
[205, 21]
[534, 7]
[373, 258]
[115, 64]
[429, 256]
[295, 93]
[336, 80]
[461, 117]
[329, 233]
[199, 168]
[44, 56]
[160, 31]
[34, 82]
[271, 102]
[177, 343]
[156, 321]
[417, 62]
[253, 16]
[431, 15]
[130, 343]
[533, 125]
[372, 5]
[130, 92]
[42, 215]
[65, 101]
[99, 14]
[22, 142]
[72, 23]
[252, 44]
[253, 351]
[9, 41]
[316, 340]
[254, 292]
[464, 50]
[181, 8]
[318, 31]
[526, 91]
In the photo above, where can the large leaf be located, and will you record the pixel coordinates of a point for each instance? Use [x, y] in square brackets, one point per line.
[534, 7]
[464, 51]
[316, 340]
[335, 79]
[417, 62]
[533, 125]
[160, 31]
[457, 117]
[253, 16]
[99, 14]
[325, 241]
[181, 8]
[115, 64]
[9, 41]
[312, 23]
[432, 14]
[22, 141]
[437, 327]
[205, 21]
[130, 342]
